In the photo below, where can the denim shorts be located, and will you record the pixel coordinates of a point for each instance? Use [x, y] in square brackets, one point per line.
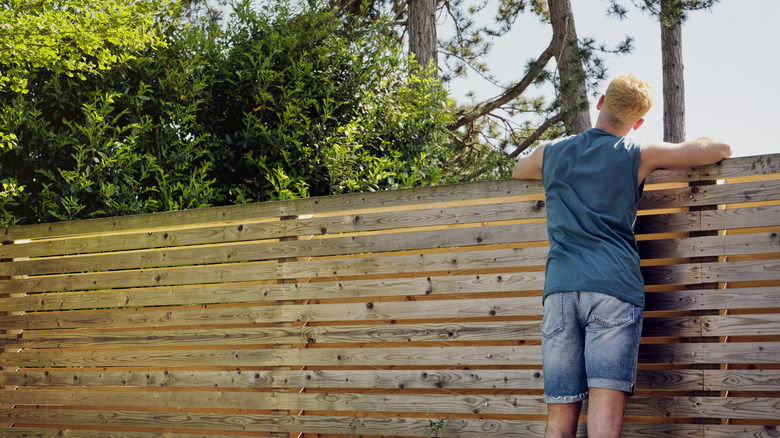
[589, 340]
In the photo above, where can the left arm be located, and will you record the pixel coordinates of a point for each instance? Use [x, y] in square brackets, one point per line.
[530, 166]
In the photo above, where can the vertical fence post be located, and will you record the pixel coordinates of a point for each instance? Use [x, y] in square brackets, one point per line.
[284, 324]
[9, 332]
[696, 186]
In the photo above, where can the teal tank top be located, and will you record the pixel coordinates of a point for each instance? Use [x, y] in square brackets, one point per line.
[592, 195]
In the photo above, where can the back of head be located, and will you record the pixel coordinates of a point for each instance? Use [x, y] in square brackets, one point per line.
[627, 100]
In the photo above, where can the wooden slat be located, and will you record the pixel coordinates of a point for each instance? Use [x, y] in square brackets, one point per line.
[696, 326]
[753, 191]
[297, 207]
[205, 234]
[210, 254]
[741, 380]
[239, 293]
[708, 220]
[714, 299]
[312, 357]
[705, 407]
[757, 270]
[758, 243]
[443, 403]
[449, 309]
[724, 353]
[446, 402]
[258, 271]
[719, 380]
[736, 353]
[346, 426]
[481, 331]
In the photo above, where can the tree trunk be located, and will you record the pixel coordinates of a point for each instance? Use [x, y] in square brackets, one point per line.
[674, 82]
[422, 34]
[574, 95]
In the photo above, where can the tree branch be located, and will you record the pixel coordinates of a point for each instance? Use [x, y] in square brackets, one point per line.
[531, 139]
[509, 94]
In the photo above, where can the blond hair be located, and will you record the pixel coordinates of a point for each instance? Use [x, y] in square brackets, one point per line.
[627, 100]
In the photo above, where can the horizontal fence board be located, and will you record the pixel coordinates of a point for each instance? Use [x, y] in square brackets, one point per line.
[392, 220]
[758, 243]
[730, 325]
[482, 331]
[739, 325]
[258, 271]
[475, 236]
[712, 353]
[441, 404]
[714, 299]
[696, 196]
[742, 380]
[239, 293]
[709, 220]
[758, 270]
[705, 407]
[450, 309]
[294, 207]
[736, 353]
[713, 380]
[346, 357]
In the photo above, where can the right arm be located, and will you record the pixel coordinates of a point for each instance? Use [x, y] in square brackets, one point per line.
[671, 156]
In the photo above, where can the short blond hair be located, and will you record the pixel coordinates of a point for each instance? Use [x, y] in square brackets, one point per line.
[627, 100]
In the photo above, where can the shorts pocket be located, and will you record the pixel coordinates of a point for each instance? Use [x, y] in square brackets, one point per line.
[612, 312]
[552, 323]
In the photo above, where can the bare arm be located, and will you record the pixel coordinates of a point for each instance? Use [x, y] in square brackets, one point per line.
[530, 166]
[671, 156]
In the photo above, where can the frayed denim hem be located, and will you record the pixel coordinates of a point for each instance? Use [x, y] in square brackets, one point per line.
[566, 398]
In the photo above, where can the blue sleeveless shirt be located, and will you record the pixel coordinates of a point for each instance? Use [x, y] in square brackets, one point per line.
[590, 182]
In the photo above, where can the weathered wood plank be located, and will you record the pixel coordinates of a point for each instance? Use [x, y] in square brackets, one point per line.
[259, 271]
[482, 331]
[224, 253]
[705, 407]
[757, 243]
[725, 380]
[697, 326]
[753, 191]
[732, 218]
[248, 292]
[351, 379]
[296, 207]
[714, 299]
[390, 310]
[445, 402]
[742, 380]
[312, 357]
[346, 426]
[757, 270]
[689, 273]
[739, 431]
[249, 231]
[723, 353]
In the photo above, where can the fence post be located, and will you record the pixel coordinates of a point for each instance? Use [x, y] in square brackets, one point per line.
[10, 332]
[284, 324]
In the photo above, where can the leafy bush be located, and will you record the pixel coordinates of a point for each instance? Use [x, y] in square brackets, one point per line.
[281, 102]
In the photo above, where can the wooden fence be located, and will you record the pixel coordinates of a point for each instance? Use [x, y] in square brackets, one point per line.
[407, 313]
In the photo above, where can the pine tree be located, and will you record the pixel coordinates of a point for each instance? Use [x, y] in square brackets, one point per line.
[671, 15]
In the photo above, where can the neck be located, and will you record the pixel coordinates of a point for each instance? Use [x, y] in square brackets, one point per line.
[604, 125]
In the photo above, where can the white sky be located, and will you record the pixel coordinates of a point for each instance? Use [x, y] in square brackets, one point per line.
[731, 57]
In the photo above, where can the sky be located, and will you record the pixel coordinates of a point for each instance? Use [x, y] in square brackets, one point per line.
[731, 57]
